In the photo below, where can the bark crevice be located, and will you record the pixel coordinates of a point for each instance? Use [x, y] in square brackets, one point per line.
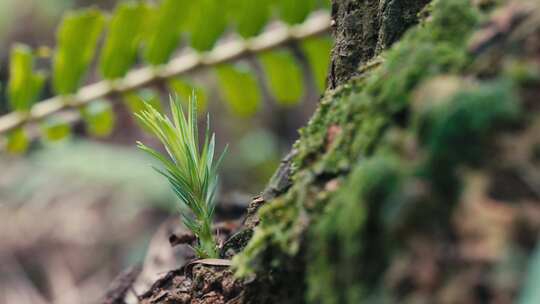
[362, 29]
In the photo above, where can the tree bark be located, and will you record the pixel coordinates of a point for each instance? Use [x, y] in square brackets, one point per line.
[362, 29]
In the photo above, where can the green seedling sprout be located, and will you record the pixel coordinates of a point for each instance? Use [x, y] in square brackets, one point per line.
[191, 171]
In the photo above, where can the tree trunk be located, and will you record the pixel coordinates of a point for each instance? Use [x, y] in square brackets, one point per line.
[362, 29]
[417, 179]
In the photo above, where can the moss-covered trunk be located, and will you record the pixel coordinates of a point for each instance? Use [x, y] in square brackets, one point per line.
[417, 180]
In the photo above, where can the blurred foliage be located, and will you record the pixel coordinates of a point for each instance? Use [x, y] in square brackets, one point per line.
[122, 44]
[17, 141]
[317, 50]
[140, 32]
[136, 100]
[92, 162]
[284, 76]
[239, 88]
[166, 23]
[294, 11]
[24, 84]
[55, 129]
[77, 38]
[99, 118]
[249, 17]
[257, 154]
[206, 23]
[184, 89]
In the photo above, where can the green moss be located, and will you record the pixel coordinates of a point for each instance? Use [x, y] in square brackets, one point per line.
[354, 238]
[456, 132]
[280, 228]
[360, 113]
[274, 229]
[368, 104]
[523, 72]
[347, 244]
[452, 21]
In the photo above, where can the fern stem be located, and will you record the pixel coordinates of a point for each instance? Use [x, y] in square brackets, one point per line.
[316, 25]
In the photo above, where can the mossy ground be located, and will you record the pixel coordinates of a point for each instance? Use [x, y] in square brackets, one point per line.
[385, 167]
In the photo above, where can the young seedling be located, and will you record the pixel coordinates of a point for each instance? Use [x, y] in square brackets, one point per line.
[191, 171]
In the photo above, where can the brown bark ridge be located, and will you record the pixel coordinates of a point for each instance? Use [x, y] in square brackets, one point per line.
[363, 28]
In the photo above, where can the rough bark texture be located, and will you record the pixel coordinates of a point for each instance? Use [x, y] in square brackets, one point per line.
[363, 28]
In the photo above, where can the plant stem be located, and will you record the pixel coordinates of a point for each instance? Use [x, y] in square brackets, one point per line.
[207, 244]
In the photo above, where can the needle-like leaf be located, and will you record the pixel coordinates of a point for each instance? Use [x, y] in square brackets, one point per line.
[190, 169]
